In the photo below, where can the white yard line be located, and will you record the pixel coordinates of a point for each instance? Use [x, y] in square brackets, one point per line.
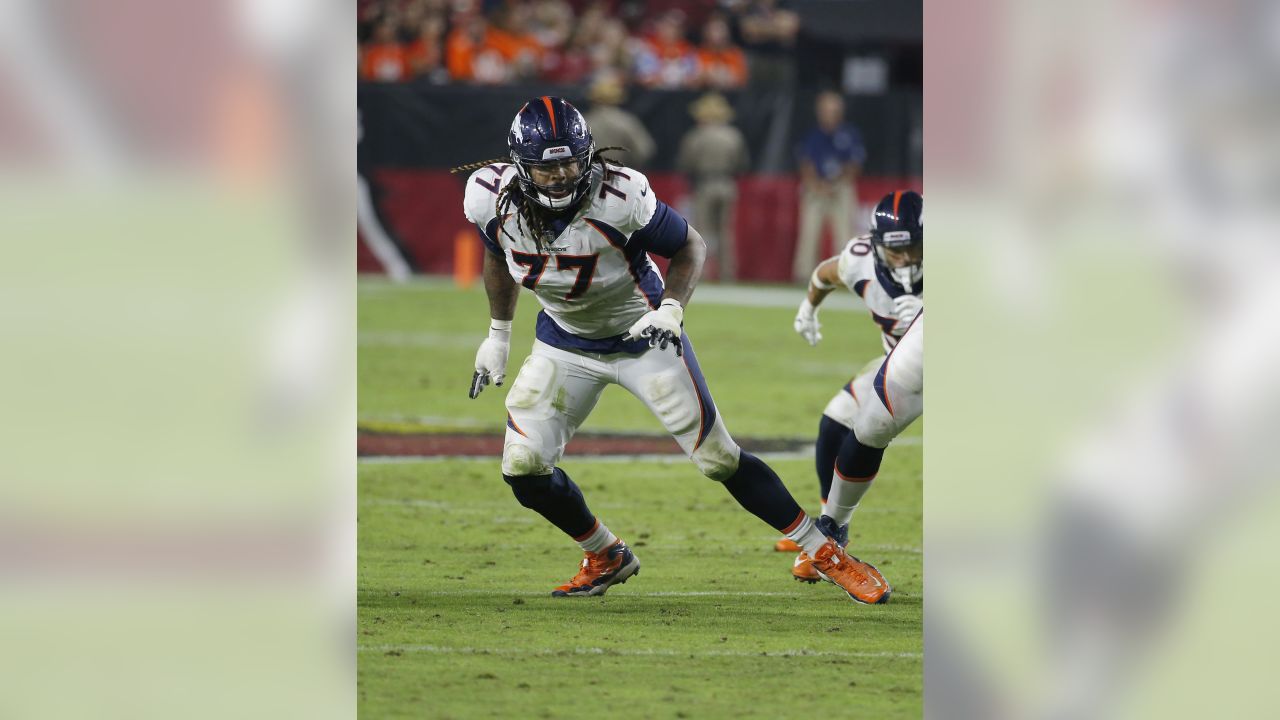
[640, 652]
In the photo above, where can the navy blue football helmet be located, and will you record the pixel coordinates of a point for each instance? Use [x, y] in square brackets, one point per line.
[898, 224]
[548, 132]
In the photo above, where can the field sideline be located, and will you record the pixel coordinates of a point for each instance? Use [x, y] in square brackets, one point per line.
[454, 618]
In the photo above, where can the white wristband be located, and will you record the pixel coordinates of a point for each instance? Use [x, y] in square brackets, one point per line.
[673, 307]
[499, 329]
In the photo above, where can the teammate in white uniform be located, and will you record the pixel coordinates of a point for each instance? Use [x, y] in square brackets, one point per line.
[886, 269]
[577, 230]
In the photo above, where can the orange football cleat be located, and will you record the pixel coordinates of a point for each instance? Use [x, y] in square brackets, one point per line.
[787, 545]
[862, 581]
[802, 569]
[601, 571]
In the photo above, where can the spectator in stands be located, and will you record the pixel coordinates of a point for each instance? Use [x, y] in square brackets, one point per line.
[571, 64]
[470, 56]
[831, 157]
[665, 59]
[551, 23]
[713, 154]
[412, 13]
[426, 53]
[613, 126]
[769, 36]
[510, 36]
[722, 64]
[613, 54]
[368, 15]
[384, 59]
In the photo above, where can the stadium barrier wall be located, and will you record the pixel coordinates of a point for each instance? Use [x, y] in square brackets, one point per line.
[415, 125]
[411, 133]
[423, 209]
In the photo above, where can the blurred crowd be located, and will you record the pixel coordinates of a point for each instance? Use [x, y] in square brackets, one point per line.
[704, 44]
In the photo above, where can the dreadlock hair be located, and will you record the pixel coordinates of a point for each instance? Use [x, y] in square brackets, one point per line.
[530, 217]
[477, 165]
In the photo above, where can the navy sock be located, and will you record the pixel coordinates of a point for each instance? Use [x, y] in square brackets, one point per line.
[759, 489]
[831, 435]
[856, 460]
[556, 498]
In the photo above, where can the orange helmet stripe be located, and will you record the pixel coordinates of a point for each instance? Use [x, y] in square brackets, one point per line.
[550, 111]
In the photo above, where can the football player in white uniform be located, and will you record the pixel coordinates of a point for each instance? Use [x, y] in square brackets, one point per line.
[886, 269]
[577, 229]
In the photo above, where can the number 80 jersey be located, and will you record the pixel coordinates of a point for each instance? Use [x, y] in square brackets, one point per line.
[860, 272]
[591, 273]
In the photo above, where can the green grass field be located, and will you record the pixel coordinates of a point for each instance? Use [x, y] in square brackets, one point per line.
[454, 614]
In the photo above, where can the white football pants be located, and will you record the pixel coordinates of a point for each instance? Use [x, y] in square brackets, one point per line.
[556, 390]
[898, 391]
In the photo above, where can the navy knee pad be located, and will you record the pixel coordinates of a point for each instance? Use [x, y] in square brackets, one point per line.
[529, 489]
[858, 460]
[556, 497]
[831, 435]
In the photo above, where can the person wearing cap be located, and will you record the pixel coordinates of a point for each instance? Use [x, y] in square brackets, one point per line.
[613, 126]
[713, 154]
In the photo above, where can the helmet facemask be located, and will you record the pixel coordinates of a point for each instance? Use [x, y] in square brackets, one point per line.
[553, 193]
[901, 256]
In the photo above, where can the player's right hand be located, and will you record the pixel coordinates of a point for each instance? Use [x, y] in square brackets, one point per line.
[491, 359]
[807, 322]
[907, 307]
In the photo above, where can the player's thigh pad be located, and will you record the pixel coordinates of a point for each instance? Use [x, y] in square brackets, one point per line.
[717, 455]
[874, 425]
[551, 396]
[843, 407]
[674, 391]
[899, 392]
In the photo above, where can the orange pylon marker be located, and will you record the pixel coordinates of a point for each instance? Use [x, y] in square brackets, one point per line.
[466, 258]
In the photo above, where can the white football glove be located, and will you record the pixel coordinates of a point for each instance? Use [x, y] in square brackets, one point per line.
[491, 358]
[906, 307]
[662, 326]
[807, 322]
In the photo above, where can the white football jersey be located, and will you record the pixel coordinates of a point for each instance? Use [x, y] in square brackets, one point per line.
[594, 278]
[859, 272]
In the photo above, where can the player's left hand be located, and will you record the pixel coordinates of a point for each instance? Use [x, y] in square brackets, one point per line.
[907, 307]
[491, 358]
[661, 327]
[807, 324]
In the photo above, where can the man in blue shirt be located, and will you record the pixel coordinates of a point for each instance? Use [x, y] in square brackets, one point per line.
[831, 157]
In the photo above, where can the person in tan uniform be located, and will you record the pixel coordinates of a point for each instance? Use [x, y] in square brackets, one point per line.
[713, 154]
[613, 126]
